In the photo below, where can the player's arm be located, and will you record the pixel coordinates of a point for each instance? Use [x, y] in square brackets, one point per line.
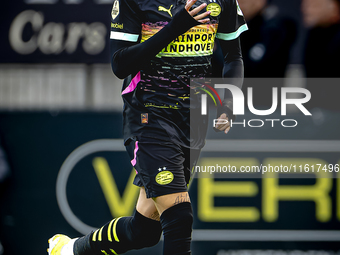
[233, 62]
[129, 57]
[233, 71]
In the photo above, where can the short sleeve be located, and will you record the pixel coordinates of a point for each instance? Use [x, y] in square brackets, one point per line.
[232, 22]
[125, 21]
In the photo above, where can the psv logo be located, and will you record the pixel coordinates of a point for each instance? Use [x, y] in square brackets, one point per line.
[214, 8]
[164, 177]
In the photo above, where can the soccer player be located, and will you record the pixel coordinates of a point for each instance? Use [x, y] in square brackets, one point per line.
[157, 46]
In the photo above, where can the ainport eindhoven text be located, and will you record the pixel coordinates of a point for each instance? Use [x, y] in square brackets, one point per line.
[238, 106]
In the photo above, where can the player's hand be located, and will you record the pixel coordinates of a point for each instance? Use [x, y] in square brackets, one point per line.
[224, 125]
[200, 17]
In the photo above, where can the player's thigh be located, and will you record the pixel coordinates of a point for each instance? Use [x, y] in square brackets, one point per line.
[165, 202]
[146, 206]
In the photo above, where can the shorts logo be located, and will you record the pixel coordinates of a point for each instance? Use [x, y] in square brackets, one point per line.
[164, 177]
[144, 118]
[214, 8]
[115, 9]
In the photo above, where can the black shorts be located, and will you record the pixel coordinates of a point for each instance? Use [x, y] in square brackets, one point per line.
[162, 167]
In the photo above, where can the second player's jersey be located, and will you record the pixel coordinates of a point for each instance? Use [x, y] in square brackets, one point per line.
[161, 90]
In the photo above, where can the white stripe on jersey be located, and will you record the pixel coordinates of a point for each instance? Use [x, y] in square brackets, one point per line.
[124, 36]
[233, 35]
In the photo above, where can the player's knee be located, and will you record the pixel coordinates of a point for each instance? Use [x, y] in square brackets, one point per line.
[145, 232]
[178, 220]
[147, 238]
[177, 227]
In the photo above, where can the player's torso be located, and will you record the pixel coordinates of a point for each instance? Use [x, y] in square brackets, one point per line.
[165, 82]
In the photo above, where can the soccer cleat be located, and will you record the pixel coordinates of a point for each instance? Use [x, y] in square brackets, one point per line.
[58, 244]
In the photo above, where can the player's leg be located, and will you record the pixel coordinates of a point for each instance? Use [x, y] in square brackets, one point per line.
[175, 208]
[176, 212]
[146, 206]
[141, 230]
[125, 233]
[176, 220]
[161, 170]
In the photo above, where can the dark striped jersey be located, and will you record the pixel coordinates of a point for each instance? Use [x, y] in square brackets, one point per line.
[157, 94]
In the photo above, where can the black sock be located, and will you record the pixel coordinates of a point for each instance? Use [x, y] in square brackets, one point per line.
[119, 236]
[177, 227]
